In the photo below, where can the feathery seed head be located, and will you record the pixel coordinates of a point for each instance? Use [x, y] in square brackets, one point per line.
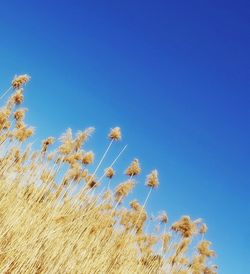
[135, 205]
[134, 168]
[123, 189]
[152, 179]
[210, 270]
[4, 118]
[46, 143]
[88, 158]
[91, 181]
[20, 80]
[17, 97]
[67, 145]
[19, 114]
[115, 134]
[184, 226]
[163, 217]
[109, 172]
[82, 137]
[23, 133]
[203, 249]
[74, 174]
[203, 229]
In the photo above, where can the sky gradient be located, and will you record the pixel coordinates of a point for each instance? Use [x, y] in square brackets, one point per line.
[174, 75]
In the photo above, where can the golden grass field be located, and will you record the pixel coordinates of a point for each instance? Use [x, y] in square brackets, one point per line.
[57, 217]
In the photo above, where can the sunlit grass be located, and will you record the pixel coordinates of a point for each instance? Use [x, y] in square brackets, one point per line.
[52, 220]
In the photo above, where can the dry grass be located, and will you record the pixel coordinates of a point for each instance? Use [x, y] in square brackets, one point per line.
[52, 220]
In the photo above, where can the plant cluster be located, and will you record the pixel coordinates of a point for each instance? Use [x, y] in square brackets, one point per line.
[56, 216]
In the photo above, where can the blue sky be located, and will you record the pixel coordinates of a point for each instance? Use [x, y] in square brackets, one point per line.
[174, 75]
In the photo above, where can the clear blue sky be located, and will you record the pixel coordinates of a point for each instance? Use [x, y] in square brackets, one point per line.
[173, 74]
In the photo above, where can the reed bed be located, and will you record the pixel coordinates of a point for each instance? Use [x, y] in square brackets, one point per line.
[58, 217]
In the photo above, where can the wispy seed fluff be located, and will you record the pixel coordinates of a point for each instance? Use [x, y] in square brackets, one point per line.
[203, 229]
[134, 168]
[115, 134]
[135, 205]
[184, 226]
[109, 172]
[88, 158]
[203, 249]
[165, 239]
[82, 137]
[20, 80]
[152, 179]
[4, 118]
[19, 114]
[210, 270]
[91, 181]
[123, 189]
[46, 143]
[17, 97]
[163, 217]
[23, 133]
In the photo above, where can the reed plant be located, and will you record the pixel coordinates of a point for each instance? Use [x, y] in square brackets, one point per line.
[56, 216]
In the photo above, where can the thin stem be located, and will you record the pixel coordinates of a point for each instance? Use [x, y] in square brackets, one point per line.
[164, 232]
[99, 164]
[105, 153]
[118, 156]
[5, 92]
[145, 202]
[150, 190]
